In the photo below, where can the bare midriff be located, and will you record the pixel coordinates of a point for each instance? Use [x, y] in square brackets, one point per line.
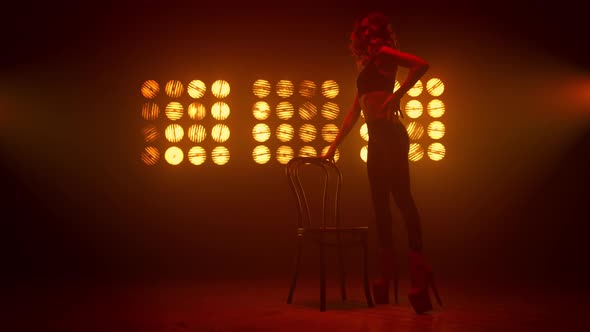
[372, 106]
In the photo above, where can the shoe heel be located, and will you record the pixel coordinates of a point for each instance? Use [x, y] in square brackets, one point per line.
[381, 291]
[420, 301]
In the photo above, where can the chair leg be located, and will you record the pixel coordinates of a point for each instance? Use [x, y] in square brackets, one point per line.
[342, 269]
[295, 269]
[370, 303]
[322, 275]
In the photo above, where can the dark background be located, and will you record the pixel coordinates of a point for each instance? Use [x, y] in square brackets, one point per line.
[78, 205]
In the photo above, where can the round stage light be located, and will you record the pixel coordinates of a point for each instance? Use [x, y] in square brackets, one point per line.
[150, 111]
[174, 155]
[220, 155]
[435, 87]
[261, 132]
[197, 155]
[220, 133]
[285, 132]
[330, 89]
[174, 111]
[150, 133]
[284, 154]
[196, 89]
[174, 133]
[174, 88]
[416, 152]
[261, 110]
[284, 88]
[197, 133]
[197, 111]
[220, 111]
[414, 109]
[150, 156]
[307, 88]
[261, 154]
[150, 89]
[220, 89]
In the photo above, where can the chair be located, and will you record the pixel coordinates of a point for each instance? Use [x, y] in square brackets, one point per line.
[324, 228]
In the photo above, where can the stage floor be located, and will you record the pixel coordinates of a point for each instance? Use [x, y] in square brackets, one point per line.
[259, 304]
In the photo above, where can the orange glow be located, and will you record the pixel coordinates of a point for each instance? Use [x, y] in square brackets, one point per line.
[364, 153]
[285, 110]
[414, 109]
[436, 151]
[396, 85]
[435, 87]
[284, 154]
[261, 132]
[285, 88]
[150, 111]
[436, 130]
[197, 111]
[220, 89]
[261, 88]
[174, 133]
[261, 154]
[220, 133]
[197, 155]
[336, 154]
[308, 111]
[416, 90]
[150, 155]
[307, 88]
[307, 133]
[329, 132]
[416, 152]
[150, 89]
[285, 132]
[415, 130]
[261, 110]
[435, 108]
[220, 111]
[330, 89]
[174, 110]
[220, 155]
[150, 133]
[196, 89]
[308, 151]
[330, 111]
[364, 131]
[174, 155]
[197, 133]
[174, 89]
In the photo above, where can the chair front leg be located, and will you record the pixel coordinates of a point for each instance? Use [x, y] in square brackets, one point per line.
[322, 275]
[296, 266]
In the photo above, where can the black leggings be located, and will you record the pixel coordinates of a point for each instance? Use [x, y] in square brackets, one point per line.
[388, 171]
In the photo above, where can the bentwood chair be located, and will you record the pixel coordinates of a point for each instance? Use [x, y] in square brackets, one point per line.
[324, 229]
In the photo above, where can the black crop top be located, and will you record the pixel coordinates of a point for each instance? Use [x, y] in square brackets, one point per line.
[370, 79]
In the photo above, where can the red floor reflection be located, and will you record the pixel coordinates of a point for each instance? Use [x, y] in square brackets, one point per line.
[259, 305]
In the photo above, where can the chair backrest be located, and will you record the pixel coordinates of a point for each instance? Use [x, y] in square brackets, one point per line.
[330, 198]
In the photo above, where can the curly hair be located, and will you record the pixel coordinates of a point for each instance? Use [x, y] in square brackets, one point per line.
[361, 47]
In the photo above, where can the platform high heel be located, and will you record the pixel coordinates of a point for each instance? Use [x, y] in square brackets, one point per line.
[422, 279]
[388, 273]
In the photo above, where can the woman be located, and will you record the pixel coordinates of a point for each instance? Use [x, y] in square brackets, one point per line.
[377, 54]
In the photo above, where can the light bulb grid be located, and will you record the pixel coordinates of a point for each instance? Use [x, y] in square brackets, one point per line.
[293, 118]
[423, 109]
[185, 121]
